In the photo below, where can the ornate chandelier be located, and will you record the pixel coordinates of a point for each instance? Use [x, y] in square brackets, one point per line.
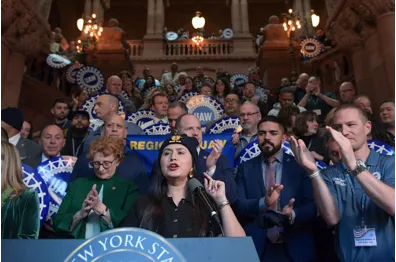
[198, 22]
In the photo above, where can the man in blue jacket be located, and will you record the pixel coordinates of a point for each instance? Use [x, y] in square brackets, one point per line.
[273, 181]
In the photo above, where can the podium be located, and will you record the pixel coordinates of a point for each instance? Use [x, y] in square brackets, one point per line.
[193, 249]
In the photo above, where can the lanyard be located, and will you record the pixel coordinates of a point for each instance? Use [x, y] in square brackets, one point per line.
[78, 148]
[363, 200]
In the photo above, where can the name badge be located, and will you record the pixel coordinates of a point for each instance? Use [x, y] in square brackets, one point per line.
[317, 111]
[365, 237]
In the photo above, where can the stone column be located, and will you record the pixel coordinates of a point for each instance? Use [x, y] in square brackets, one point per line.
[386, 33]
[307, 16]
[96, 5]
[235, 17]
[46, 8]
[5, 54]
[150, 16]
[87, 8]
[299, 11]
[13, 80]
[159, 17]
[245, 17]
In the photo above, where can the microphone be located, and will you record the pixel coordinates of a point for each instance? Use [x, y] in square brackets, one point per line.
[196, 188]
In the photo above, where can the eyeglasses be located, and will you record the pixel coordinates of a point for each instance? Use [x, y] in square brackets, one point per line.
[105, 164]
[248, 114]
[231, 101]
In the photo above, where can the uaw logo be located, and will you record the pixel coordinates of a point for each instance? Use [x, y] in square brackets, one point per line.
[157, 129]
[71, 73]
[205, 108]
[90, 79]
[381, 147]
[126, 244]
[35, 181]
[252, 150]
[56, 173]
[238, 80]
[187, 95]
[89, 106]
[57, 61]
[310, 48]
[141, 117]
[224, 125]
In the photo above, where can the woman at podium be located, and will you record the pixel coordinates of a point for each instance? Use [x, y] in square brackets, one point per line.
[173, 208]
[20, 207]
[96, 204]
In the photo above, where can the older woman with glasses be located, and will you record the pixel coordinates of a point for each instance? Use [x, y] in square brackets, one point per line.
[95, 204]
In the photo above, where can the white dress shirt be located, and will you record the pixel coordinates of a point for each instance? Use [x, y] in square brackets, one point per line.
[15, 139]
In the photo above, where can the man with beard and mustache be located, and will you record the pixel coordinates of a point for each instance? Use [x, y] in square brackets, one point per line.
[273, 182]
[60, 111]
[76, 134]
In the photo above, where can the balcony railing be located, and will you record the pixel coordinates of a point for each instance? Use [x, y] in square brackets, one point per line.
[209, 47]
[136, 47]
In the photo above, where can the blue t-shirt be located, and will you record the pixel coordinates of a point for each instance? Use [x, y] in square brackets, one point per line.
[336, 178]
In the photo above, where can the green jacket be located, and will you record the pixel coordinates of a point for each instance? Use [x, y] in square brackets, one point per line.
[20, 218]
[118, 196]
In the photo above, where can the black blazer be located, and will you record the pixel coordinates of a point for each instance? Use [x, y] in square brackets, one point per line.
[29, 151]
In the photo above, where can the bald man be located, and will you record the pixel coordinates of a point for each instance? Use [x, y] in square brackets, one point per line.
[347, 92]
[301, 84]
[114, 87]
[131, 166]
[52, 141]
[106, 106]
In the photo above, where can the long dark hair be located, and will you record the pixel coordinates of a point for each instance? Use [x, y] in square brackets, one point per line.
[151, 217]
[227, 88]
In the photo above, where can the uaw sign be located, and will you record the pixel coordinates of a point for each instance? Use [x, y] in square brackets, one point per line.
[56, 173]
[310, 48]
[205, 108]
[147, 147]
[126, 244]
[90, 79]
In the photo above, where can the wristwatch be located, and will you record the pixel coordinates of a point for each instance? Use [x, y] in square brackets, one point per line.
[360, 167]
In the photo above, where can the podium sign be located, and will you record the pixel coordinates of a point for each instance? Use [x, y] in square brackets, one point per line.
[106, 247]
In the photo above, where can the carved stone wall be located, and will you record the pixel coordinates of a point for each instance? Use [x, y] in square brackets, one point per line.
[24, 34]
[365, 30]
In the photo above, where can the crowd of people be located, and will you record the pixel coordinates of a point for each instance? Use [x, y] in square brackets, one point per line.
[291, 209]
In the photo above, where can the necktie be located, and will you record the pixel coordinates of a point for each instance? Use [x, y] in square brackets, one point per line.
[92, 228]
[273, 232]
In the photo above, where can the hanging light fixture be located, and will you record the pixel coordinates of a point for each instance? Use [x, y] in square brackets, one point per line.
[80, 24]
[198, 21]
[315, 19]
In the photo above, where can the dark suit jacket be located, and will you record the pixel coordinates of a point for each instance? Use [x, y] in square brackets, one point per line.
[223, 172]
[131, 168]
[29, 151]
[298, 238]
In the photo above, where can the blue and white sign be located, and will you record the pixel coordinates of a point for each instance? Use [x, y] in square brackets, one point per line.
[158, 129]
[224, 125]
[71, 73]
[141, 117]
[252, 150]
[238, 80]
[89, 106]
[187, 95]
[140, 83]
[36, 182]
[57, 61]
[56, 173]
[90, 79]
[205, 108]
[126, 244]
[381, 147]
